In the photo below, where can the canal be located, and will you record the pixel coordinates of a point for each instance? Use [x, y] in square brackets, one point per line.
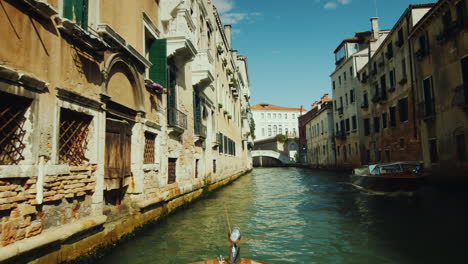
[293, 215]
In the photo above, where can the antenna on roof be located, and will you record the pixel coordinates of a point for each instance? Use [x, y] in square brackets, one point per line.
[376, 10]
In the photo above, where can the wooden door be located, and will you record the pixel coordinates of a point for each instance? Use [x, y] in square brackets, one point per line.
[117, 152]
[171, 171]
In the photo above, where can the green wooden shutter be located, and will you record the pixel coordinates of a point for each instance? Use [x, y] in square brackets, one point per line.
[68, 9]
[158, 57]
[84, 14]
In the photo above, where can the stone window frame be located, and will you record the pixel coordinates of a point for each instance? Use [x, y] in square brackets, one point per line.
[150, 27]
[94, 146]
[24, 85]
[153, 128]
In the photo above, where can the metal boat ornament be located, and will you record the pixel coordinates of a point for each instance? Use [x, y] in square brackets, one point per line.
[234, 252]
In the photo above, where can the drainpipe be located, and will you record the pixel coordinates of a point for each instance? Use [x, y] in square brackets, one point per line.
[410, 51]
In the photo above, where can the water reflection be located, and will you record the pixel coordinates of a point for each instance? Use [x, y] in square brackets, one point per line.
[290, 215]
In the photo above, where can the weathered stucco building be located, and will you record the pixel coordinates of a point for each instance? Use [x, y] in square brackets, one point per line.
[107, 122]
[350, 56]
[390, 130]
[439, 44]
[320, 136]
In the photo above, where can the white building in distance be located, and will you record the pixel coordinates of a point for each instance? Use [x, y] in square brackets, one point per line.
[271, 120]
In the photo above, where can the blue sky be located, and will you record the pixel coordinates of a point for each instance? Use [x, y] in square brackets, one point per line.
[290, 44]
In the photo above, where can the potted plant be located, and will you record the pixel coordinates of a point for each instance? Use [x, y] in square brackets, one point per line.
[220, 105]
[228, 71]
[153, 87]
[225, 112]
[220, 49]
[229, 116]
[224, 62]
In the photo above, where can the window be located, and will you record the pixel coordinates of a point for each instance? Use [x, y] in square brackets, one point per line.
[447, 19]
[280, 128]
[464, 66]
[274, 115]
[429, 104]
[461, 147]
[268, 115]
[341, 101]
[389, 53]
[461, 10]
[433, 153]
[366, 127]
[354, 122]
[346, 99]
[387, 155]
[196, 167]
[351, 71]
[344, 76]
[12, 131]
[384, 120]
[400, 37]
[74, 129]
[171, 177]
[221, 142]
[269, 130]
[365, 100]
[150, 140]
[347, 125]
[321, 125]
[391, 78]
[403, 109]
[351, 96]
[77, 11]
[423, 45]
[403, 68]
[333, 85]
[275, 130]
[383, 87]
[376, 124]
[214, 166]
[339, 80]
[392, 117]
[263, 115]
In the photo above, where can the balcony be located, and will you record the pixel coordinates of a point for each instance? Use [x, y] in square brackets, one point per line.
[427, 110]
[364, 78]
[391, 88]
[202, 70]
[340, 110]
[86, 37]
[365, 105]
[181, 29]
[41, 8]
[340, 135]
[177, 120]
[403, 81]
[450, 31]
[421, 54]
[389, 54]
[200, 131]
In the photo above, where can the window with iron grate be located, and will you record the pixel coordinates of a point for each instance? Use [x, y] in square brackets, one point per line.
[150, 140]
[12, 131]
[74, 131]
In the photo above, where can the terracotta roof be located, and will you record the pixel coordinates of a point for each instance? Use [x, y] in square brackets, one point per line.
[266, 106]
[351, 39]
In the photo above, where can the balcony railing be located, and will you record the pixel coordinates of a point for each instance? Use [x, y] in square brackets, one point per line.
[200, 130]
[340, 134]
[365, 105]
[177, 118]
[427, 109]
[340, 110]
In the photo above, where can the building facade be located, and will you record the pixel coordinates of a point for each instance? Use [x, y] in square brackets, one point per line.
[320, 136]
[104, 118]
[388, 113]
[271, 120]
[439, 44]
[350, 56]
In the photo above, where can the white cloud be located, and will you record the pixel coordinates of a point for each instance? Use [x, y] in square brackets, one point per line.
[330, 5]
[344, 2]
[232, 18]
[225, 6]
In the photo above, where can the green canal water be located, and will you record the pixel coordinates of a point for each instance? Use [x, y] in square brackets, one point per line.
[293, 215]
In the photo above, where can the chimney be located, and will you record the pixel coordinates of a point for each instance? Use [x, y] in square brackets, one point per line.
[315, 104]
[375, 27]
[227, 31]
[324, 98]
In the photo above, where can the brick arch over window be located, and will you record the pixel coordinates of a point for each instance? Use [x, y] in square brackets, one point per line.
[123, 83]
